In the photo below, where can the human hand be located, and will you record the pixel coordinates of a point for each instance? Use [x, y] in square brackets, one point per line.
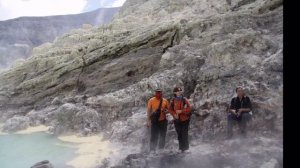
[178, 111]
[233, 112]
[148, 123]
[176, 116]
[239, 111]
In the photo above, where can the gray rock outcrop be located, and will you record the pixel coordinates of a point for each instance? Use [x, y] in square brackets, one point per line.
[16, 123]
[42, 164]
[19, 36]
[109, 73]
[227, 154]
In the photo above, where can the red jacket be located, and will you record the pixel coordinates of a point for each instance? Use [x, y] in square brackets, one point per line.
[178, 105]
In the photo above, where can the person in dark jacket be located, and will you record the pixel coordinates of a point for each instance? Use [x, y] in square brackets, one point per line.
[240, 108]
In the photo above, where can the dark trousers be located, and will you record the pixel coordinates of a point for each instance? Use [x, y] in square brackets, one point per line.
[158, 134]
[182, 129]
[242, 122]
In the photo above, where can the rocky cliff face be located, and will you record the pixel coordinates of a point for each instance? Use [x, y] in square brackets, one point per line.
[99, 79]
[19, 36]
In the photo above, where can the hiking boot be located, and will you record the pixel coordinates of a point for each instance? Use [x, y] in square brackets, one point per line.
[229, 136]
[179, 151]
[152, 152]
[244, 135]
[186, 151]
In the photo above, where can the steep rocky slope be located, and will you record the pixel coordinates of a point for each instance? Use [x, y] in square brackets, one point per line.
[19, 36]
[99, 79]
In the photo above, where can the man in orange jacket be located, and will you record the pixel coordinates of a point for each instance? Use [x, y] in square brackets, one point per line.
[156, 108]
[180, 108]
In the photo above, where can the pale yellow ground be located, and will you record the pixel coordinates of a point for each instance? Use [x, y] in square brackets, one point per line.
[29, 130]
[91, 150]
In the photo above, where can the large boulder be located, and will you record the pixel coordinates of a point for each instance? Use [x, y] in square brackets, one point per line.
[43, 164]
[16, 123]
[72, 117]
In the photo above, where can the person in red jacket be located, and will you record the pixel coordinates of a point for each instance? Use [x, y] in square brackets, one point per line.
[180, 108]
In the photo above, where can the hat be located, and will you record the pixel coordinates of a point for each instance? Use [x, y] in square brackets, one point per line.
[176, 89]
[158, 90]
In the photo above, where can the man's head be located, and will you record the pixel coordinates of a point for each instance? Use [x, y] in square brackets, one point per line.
[177, 91]
[240, 91]
[158, 93]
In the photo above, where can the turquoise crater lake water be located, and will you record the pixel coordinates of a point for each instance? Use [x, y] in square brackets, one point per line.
[24, 150]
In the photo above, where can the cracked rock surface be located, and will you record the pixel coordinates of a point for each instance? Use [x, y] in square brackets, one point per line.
[102, 79]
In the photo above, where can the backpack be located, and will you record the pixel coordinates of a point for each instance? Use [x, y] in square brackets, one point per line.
[184, 103]
[155, 115]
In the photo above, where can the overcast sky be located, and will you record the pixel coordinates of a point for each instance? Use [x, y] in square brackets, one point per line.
[15, 8]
